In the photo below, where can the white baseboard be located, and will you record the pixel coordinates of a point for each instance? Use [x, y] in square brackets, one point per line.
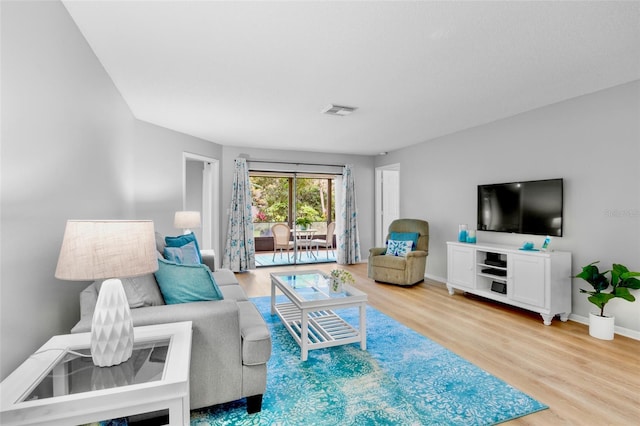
[435, 278]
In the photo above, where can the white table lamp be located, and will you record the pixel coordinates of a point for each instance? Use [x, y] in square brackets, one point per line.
[186, 220]
[108, 249]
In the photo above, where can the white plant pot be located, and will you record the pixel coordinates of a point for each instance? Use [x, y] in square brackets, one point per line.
[601, 327]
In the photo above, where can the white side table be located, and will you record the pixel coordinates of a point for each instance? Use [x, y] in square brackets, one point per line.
[56, 387]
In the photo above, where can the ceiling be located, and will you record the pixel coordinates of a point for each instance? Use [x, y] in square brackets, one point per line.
[258, 74]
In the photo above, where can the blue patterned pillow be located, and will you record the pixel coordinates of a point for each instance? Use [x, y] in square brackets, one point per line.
[182, 240]
[185, 255]
[398, 248]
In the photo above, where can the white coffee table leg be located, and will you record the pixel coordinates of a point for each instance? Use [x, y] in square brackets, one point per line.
[273, 297]
[304, 335]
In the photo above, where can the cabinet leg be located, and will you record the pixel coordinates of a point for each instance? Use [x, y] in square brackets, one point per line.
[546, 318]
[564, 317]
[451, 291]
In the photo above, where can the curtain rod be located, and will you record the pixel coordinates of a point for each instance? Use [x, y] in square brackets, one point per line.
[294, 163]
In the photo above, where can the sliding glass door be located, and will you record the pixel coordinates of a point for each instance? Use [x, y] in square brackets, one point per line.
[305, 203]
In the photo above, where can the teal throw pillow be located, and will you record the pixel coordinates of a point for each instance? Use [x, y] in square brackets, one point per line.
[406, 236]
[398, 248]
[182, 240]
[186, 283]
[185, 255]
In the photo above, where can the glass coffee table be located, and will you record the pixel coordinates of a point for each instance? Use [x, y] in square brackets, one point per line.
[57, 386]
[307, 314]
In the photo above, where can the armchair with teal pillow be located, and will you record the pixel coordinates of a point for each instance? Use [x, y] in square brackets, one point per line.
[394, 264]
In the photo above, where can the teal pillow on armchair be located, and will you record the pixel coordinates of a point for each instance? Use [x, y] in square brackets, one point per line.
[406, 236]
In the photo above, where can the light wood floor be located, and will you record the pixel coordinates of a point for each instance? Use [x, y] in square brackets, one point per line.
[583, 380]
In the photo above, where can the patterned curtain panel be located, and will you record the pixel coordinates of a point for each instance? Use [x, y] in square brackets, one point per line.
[240, 250]
[348, 238]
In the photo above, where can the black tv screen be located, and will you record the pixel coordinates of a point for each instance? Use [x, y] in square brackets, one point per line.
[532, 207]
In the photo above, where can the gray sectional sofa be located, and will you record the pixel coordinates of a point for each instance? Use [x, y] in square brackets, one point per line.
[231, 343]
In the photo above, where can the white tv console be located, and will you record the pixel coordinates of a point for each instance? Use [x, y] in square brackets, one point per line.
[533, 280]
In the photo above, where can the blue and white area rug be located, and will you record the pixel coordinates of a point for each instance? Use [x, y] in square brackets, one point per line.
[402, 379]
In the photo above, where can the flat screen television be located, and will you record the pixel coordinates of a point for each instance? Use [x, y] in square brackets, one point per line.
[531, 207]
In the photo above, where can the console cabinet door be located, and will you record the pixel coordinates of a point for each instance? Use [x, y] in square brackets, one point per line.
[527, 278]
[461, 261]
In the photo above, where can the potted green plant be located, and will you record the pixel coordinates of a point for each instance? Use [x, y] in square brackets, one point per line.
[303, 222]
[338, 278]
[621, 281]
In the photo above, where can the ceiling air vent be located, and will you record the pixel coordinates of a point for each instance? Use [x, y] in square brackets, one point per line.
[338, 110]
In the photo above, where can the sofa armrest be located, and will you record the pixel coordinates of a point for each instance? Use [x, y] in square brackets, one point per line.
[216, 364]
[417, 253]
[209, 258]
[377, 251]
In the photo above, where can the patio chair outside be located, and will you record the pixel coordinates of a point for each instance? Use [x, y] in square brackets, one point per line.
[281, 233]
[327, 243]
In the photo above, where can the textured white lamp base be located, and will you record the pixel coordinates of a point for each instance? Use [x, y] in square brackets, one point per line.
[112, 327]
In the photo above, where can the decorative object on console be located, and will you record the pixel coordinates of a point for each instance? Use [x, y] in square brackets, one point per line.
[546, 243]
[108, 249]
[462, 233]
[186, 220]
[471, 236]
[622, 281]
[528, 245]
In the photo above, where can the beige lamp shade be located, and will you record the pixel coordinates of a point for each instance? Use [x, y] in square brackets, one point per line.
[99, 249]
[186, 219]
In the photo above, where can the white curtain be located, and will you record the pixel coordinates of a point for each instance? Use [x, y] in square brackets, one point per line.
[239, 251]
[348, 236]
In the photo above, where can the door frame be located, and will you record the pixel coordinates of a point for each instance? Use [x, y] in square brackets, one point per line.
[384, 192]
[210, 208]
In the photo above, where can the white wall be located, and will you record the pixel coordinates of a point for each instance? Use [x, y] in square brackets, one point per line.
[71, 149]
[158, 172]
[363, 172]
[65, 141]
[593, 142]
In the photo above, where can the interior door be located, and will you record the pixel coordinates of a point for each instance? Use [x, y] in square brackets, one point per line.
[387, 200]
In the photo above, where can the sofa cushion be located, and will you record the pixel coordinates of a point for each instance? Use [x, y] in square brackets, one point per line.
[182, 240]
[233, 292]
[406, 236]
[186, 283]
[225, 277]
[187, 254]
[140, 291]
[160, 243]
[392, 262]
[256, 339]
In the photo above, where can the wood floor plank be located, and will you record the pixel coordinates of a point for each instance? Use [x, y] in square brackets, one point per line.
[584, 381]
